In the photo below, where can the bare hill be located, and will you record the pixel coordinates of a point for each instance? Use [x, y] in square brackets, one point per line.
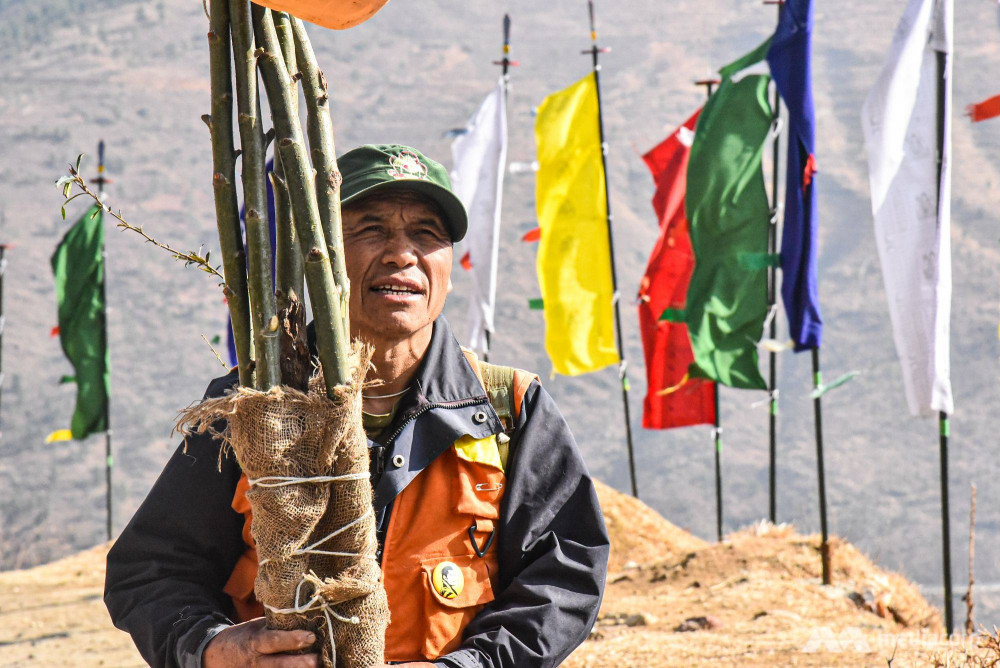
[136, 74]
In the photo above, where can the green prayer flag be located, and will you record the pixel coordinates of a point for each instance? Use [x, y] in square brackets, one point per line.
[78, 265]
[673, 315]
[726, 204]
[822, 389]
[536, 304]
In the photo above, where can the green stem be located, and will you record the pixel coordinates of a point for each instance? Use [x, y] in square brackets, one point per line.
[324, 294]
[288, 276]
[324, 158]
[262, 301]
[223, 181]
[296, 362]
[286, 41]
[289, 257]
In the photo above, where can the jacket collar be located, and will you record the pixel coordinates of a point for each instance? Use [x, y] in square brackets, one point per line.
[449, 402]
[445, 375]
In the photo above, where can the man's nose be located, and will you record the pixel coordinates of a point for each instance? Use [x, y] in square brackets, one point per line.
[399, 251]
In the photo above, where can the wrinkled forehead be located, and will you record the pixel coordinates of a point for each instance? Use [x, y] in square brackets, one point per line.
[384, 201]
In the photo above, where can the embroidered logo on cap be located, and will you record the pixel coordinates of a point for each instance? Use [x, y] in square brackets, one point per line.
[448, 580]
[407, 165]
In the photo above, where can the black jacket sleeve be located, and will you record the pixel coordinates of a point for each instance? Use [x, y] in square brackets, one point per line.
[166, 571]
[553, 551]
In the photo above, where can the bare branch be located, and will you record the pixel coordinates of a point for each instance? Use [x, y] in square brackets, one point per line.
[217, 355]
[187, 257]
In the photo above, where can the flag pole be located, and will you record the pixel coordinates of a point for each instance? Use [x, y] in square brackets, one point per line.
[717, 435]
[101, 180]
[824, 547]
[506, 63]
[945, 431]
[944, 423]
[709, 85]
[772, 284]
[594, 52]
[3, 319]
[825, 555]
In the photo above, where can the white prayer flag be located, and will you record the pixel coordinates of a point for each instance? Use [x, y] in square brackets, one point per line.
[479, 154]
[911, 202]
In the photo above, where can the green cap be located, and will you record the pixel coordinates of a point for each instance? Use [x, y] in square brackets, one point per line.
[385, 167]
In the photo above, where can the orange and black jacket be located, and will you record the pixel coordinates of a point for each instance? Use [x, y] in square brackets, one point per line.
[534, 553]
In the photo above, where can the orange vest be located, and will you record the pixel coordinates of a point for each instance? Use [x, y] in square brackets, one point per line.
[450, 504]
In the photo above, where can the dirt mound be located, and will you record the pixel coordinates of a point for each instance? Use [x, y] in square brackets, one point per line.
[638, 533]
[756, 600]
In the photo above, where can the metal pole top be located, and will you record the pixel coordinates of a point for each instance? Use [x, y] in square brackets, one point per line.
[101, 180]
[708, 83]
[506, 62]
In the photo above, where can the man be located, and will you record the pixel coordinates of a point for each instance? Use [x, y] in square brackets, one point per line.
[491, 540]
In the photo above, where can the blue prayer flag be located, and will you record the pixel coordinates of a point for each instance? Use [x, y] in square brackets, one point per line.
[790, 59]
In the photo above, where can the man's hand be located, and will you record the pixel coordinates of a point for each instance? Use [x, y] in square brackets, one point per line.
[252, 644]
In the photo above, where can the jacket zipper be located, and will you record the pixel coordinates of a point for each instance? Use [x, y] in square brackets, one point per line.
[380, 463]
[380, 454]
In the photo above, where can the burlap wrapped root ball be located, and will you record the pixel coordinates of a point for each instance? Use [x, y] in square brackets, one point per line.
[315, 538]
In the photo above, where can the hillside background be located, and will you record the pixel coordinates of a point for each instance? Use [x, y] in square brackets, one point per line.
[136, 74]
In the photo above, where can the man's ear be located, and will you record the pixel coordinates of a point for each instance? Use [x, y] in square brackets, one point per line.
[451, 286]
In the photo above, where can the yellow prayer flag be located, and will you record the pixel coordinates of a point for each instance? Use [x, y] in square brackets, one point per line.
[574, 255]
[59, 435]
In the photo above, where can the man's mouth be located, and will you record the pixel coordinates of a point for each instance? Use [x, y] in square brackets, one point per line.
[395, 291]
[397, 288]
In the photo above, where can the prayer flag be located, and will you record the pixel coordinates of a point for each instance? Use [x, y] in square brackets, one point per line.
[728, 211]
[78, 265]
[574, 256]
[673, 399]
[531, 236]
[911, 199]
[479, 154]
[984, 110]
[790, 61]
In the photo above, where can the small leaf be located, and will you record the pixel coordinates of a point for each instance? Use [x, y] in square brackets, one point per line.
[67, 188]
[79, 159]
[62, 210]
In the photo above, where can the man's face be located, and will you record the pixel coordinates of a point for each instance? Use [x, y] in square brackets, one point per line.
[398, 255]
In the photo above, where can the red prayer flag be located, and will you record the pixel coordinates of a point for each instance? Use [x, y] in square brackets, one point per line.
[984, 110]
[466, 262]
[532, 235]
[672, 399]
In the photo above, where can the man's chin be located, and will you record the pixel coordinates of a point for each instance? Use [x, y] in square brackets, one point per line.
[398, 325]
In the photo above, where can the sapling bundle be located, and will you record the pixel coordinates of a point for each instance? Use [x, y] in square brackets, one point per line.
[294, 428]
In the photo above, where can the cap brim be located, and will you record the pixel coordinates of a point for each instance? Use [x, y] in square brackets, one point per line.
[456, 218]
